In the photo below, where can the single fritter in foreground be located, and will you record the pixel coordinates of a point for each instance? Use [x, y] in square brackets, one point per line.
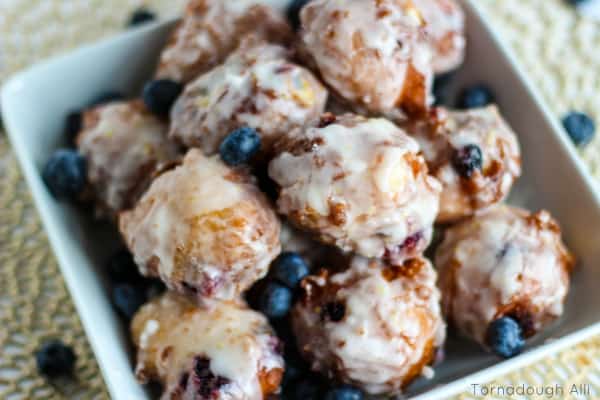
[504, 262]
[474, 154]
[203, 228]
[373, 53]
[373, 325]
[359, 184]
[257, 87]
[211, 29]
[221, 352]
[125, 148]
[445, 21]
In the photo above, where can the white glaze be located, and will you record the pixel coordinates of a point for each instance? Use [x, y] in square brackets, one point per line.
[238, 342]
[444, 133]
[366, 167]
[502, 257]
[365, 49]
[124, 147]
[389, 328]
[257, 87]
[445, 21]
[211, 29]
[178, 227]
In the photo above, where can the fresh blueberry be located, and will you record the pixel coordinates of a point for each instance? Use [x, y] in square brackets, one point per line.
[344, 392]
[475, 96]
[65, 174]
[128, 298]
[580, 127]
[275, 300]
[54, 358]
[160, 95]
[505, 338]
[289, 268]
[293, 12]
[239, 146]
[467, 160]
[107, 97]
[122, 268]
[73, 126]
[141, 16]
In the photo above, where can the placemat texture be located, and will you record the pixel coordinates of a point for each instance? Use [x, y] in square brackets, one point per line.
[559, 49]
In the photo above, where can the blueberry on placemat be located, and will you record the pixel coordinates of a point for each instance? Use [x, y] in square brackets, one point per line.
[344, 392]
[580, 127]
[293, 12]
[73, 124]
[141, 16]
[128, 298]
[275, 300]
[65, 174]
[475, 97]
[289, 268]
[240, 146]
[504, 336]
[467, 160]
[160, 95]
[54, 358]
[107, 97]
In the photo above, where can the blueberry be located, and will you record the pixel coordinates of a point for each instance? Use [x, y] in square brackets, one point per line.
[275, 300]
[467, 160]
[475, 96]
[344, 392]
[65, 174]
[160, 95]
[289, 268]
[141, 16]
[54, 359]
[122, 268]
[505, 338]
[107, 97]
[128, 298]
[293, 12]
[73, 126]
[580, 127]
[239, 146]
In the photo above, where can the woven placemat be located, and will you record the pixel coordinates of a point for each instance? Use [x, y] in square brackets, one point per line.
[558, 48]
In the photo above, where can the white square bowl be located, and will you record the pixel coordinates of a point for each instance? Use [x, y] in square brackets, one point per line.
[35, 102]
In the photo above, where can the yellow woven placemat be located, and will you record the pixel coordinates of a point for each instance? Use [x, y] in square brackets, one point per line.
[559, 50]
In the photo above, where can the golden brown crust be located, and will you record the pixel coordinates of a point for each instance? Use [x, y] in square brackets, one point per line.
[441, 133]
[503, 262]
[371, 325]
[203, 228]
[125, 148]
[210, 30]
[226, 350]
